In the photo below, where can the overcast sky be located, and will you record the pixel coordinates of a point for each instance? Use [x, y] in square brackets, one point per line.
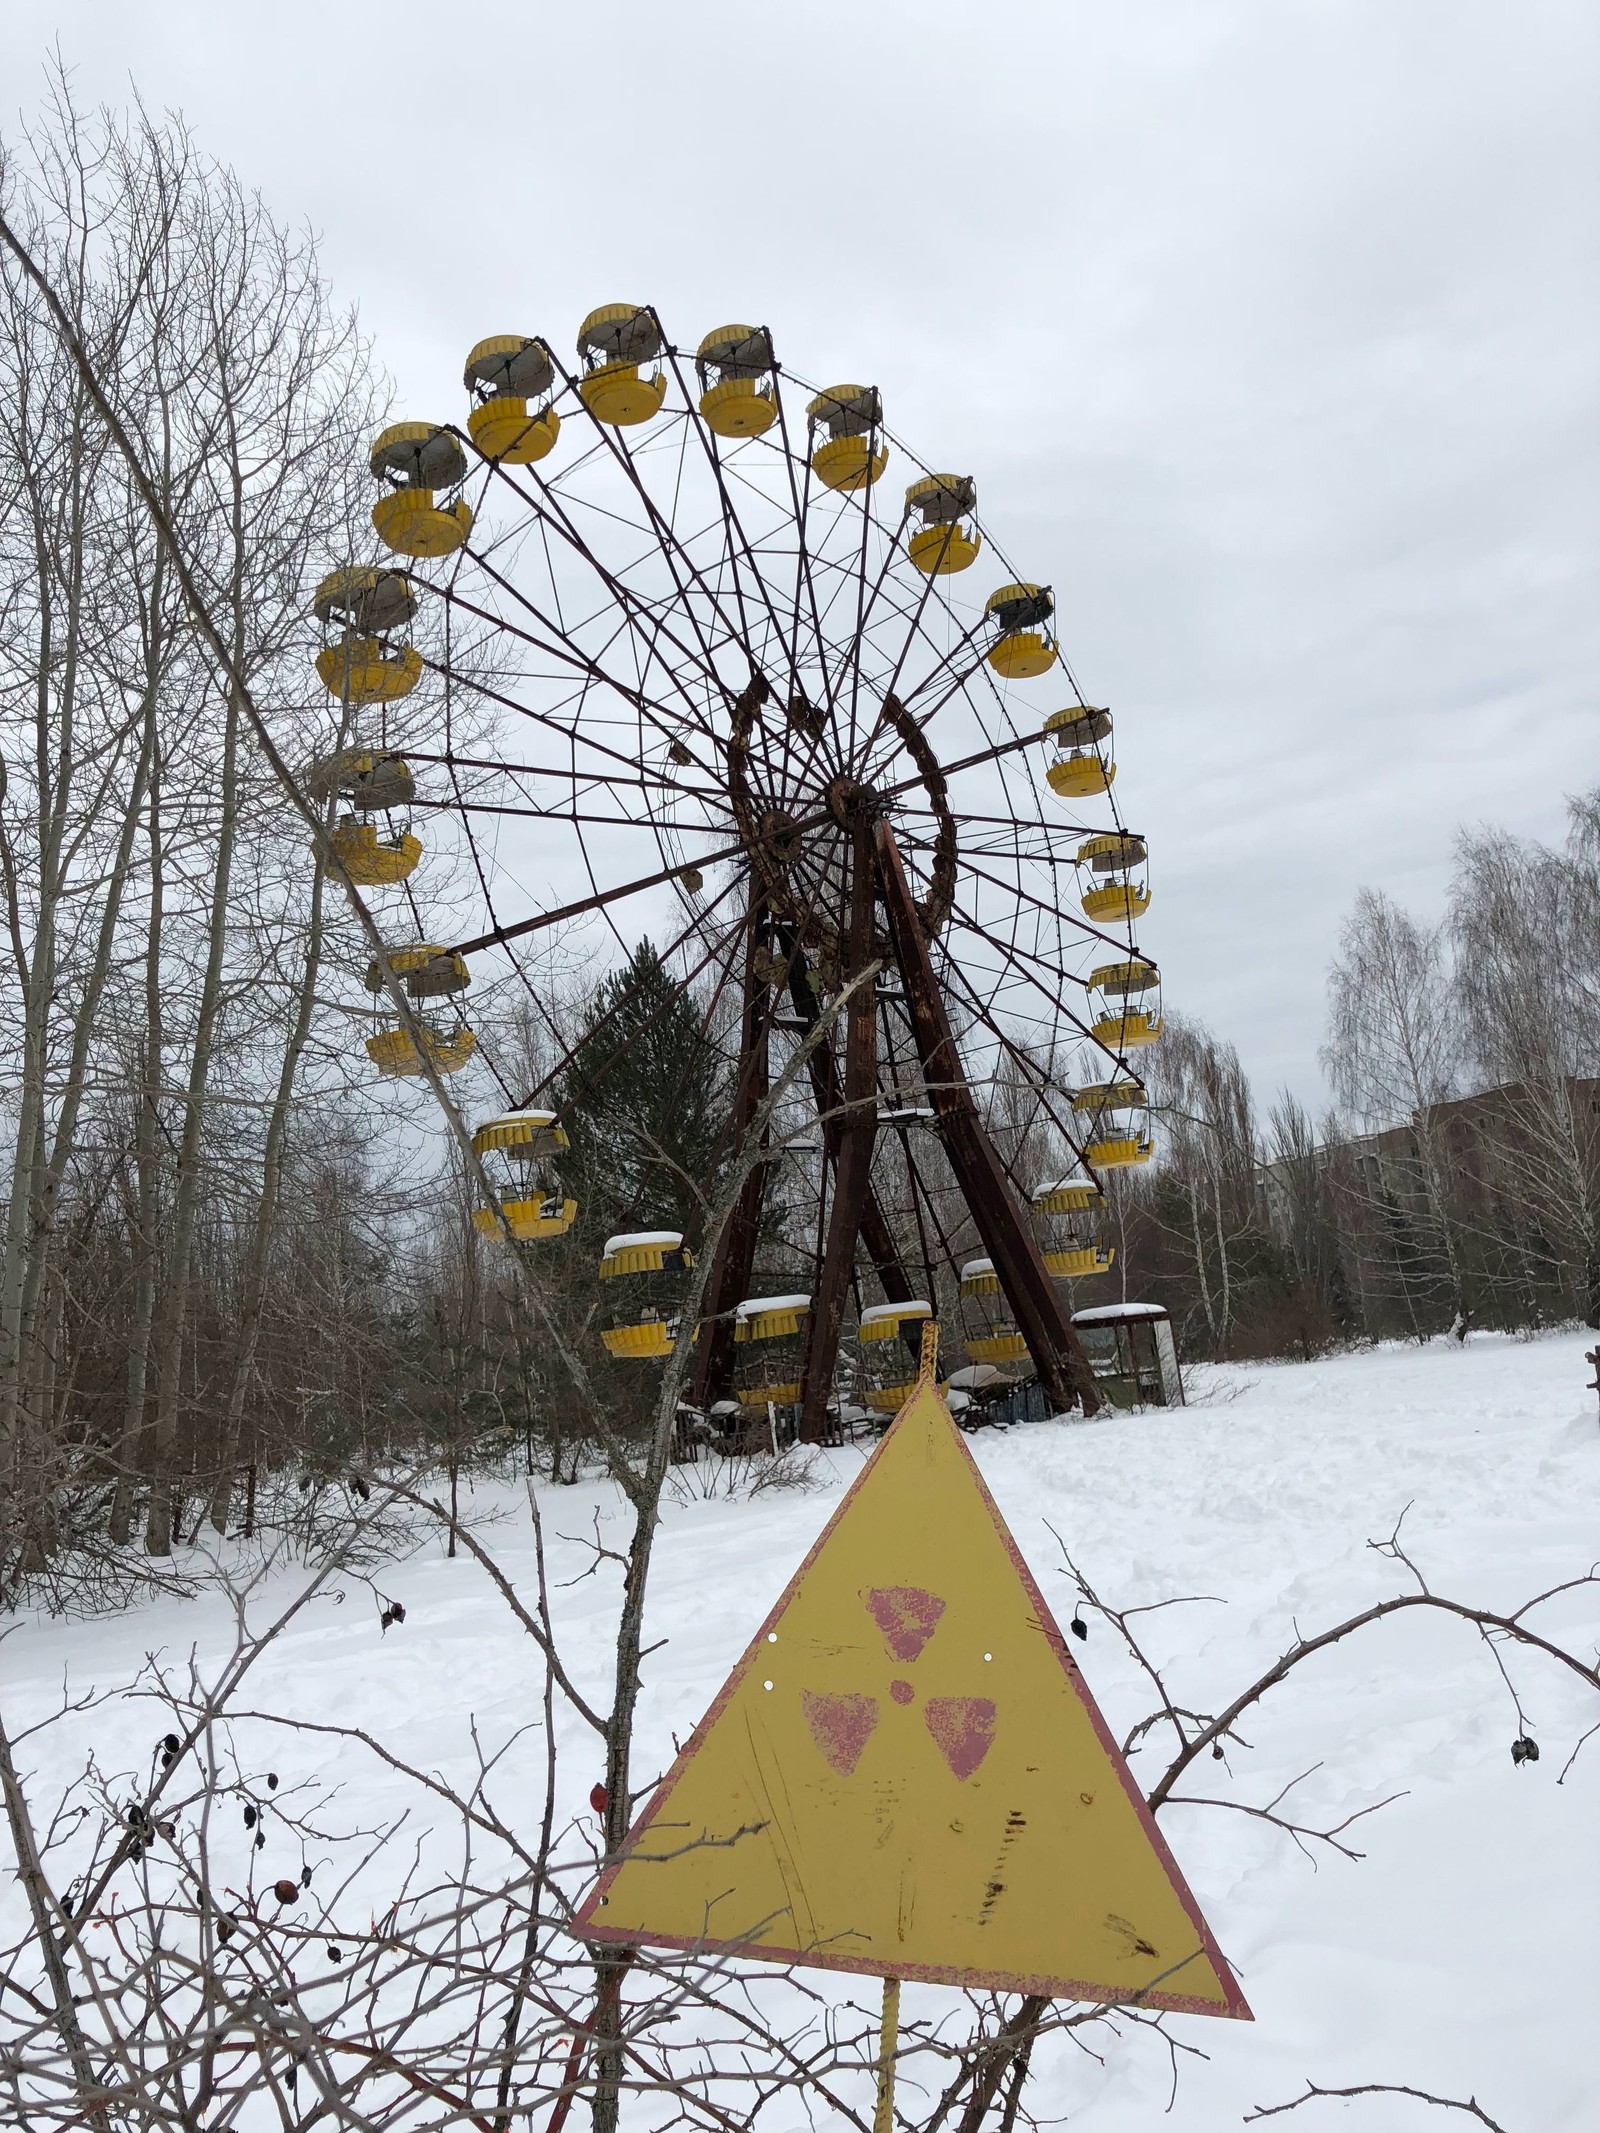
[1268, 328]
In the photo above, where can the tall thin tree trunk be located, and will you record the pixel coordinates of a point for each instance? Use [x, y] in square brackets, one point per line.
[186, 1198]
[147, 1175]
[254, 1286]
[55, 744]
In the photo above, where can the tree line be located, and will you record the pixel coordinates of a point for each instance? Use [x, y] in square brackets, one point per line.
[1455, 1181]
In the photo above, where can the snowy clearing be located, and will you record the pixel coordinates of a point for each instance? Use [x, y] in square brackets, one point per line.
[1459, 1956]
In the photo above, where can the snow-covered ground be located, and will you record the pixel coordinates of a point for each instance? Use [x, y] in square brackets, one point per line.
[1460, 1955]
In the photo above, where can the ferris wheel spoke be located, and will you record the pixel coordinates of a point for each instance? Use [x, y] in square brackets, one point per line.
[673, 552]
[865, 599]
[805, 591]
[735, 530]
[1021, 822]
[1081, 927]
[579, 658]
[631, 992]
[540, 920]
[707, 794]
[637, 619]
[1056, 973]
[490, 694]
[666, 545]
[967, 762]
[531, 813]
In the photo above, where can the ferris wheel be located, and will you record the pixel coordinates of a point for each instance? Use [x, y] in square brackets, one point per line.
[762, 668]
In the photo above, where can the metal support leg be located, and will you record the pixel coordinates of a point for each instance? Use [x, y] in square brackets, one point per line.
[1057, 1356]
[858, 1129]
[876, 1235]
[736, 1247]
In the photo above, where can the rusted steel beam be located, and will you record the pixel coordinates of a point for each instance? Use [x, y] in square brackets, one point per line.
[876, 1234]
[736, 1247]
[852, 1170]
[1057, 1356]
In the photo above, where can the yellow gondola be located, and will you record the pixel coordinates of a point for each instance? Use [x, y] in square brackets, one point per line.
[769, 1335]
[1024, 647]
[884, 1358]
[503, 373]
[613, 342]
[1126, 1028]
[1083, 765]
[991, 1328]
[1068, 1215]
[446, 1047]
[1117, 858]
[738, 395]
[366, 608]
[371, 861]
[416, 459]
[943, 544]
[1118, 1117]
[519, 1147]
[427, 972]
[373, 779]
[848, 458]
[645, 1311]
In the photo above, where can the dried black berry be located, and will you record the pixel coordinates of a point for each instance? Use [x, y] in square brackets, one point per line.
[249, 1818]
[261, 1839]
[305, 1877]
[335, 1955]
[171, 1744]
[1524, 1750]
[1216, 1752]
[1078, 1626]
[272, 1781]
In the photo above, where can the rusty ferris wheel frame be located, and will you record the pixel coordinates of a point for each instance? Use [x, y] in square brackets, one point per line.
[710, 646]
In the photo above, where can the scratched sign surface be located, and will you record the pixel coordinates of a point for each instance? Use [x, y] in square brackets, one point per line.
[906, 1774]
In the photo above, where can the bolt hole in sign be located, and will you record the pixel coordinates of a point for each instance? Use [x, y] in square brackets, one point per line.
[906, 1775]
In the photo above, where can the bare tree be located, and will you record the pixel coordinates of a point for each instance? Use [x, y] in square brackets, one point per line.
[1393, 1057]
[1523, 920]
[1205, 1196]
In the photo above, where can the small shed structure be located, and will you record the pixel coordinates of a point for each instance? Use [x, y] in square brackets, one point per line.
[1132, 1353]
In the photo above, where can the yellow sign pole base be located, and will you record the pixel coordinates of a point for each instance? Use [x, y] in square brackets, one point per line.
[928, 1364]
[888, 2043]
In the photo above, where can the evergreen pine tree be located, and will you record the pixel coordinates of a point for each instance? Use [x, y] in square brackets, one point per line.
[645, 1092]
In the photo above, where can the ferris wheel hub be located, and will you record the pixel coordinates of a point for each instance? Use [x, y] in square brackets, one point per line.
[850, 801]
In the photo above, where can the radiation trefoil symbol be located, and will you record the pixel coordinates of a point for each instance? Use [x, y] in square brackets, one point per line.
[960, 1727]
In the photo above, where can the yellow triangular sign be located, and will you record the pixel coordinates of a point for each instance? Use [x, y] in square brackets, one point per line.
[906, 1774]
